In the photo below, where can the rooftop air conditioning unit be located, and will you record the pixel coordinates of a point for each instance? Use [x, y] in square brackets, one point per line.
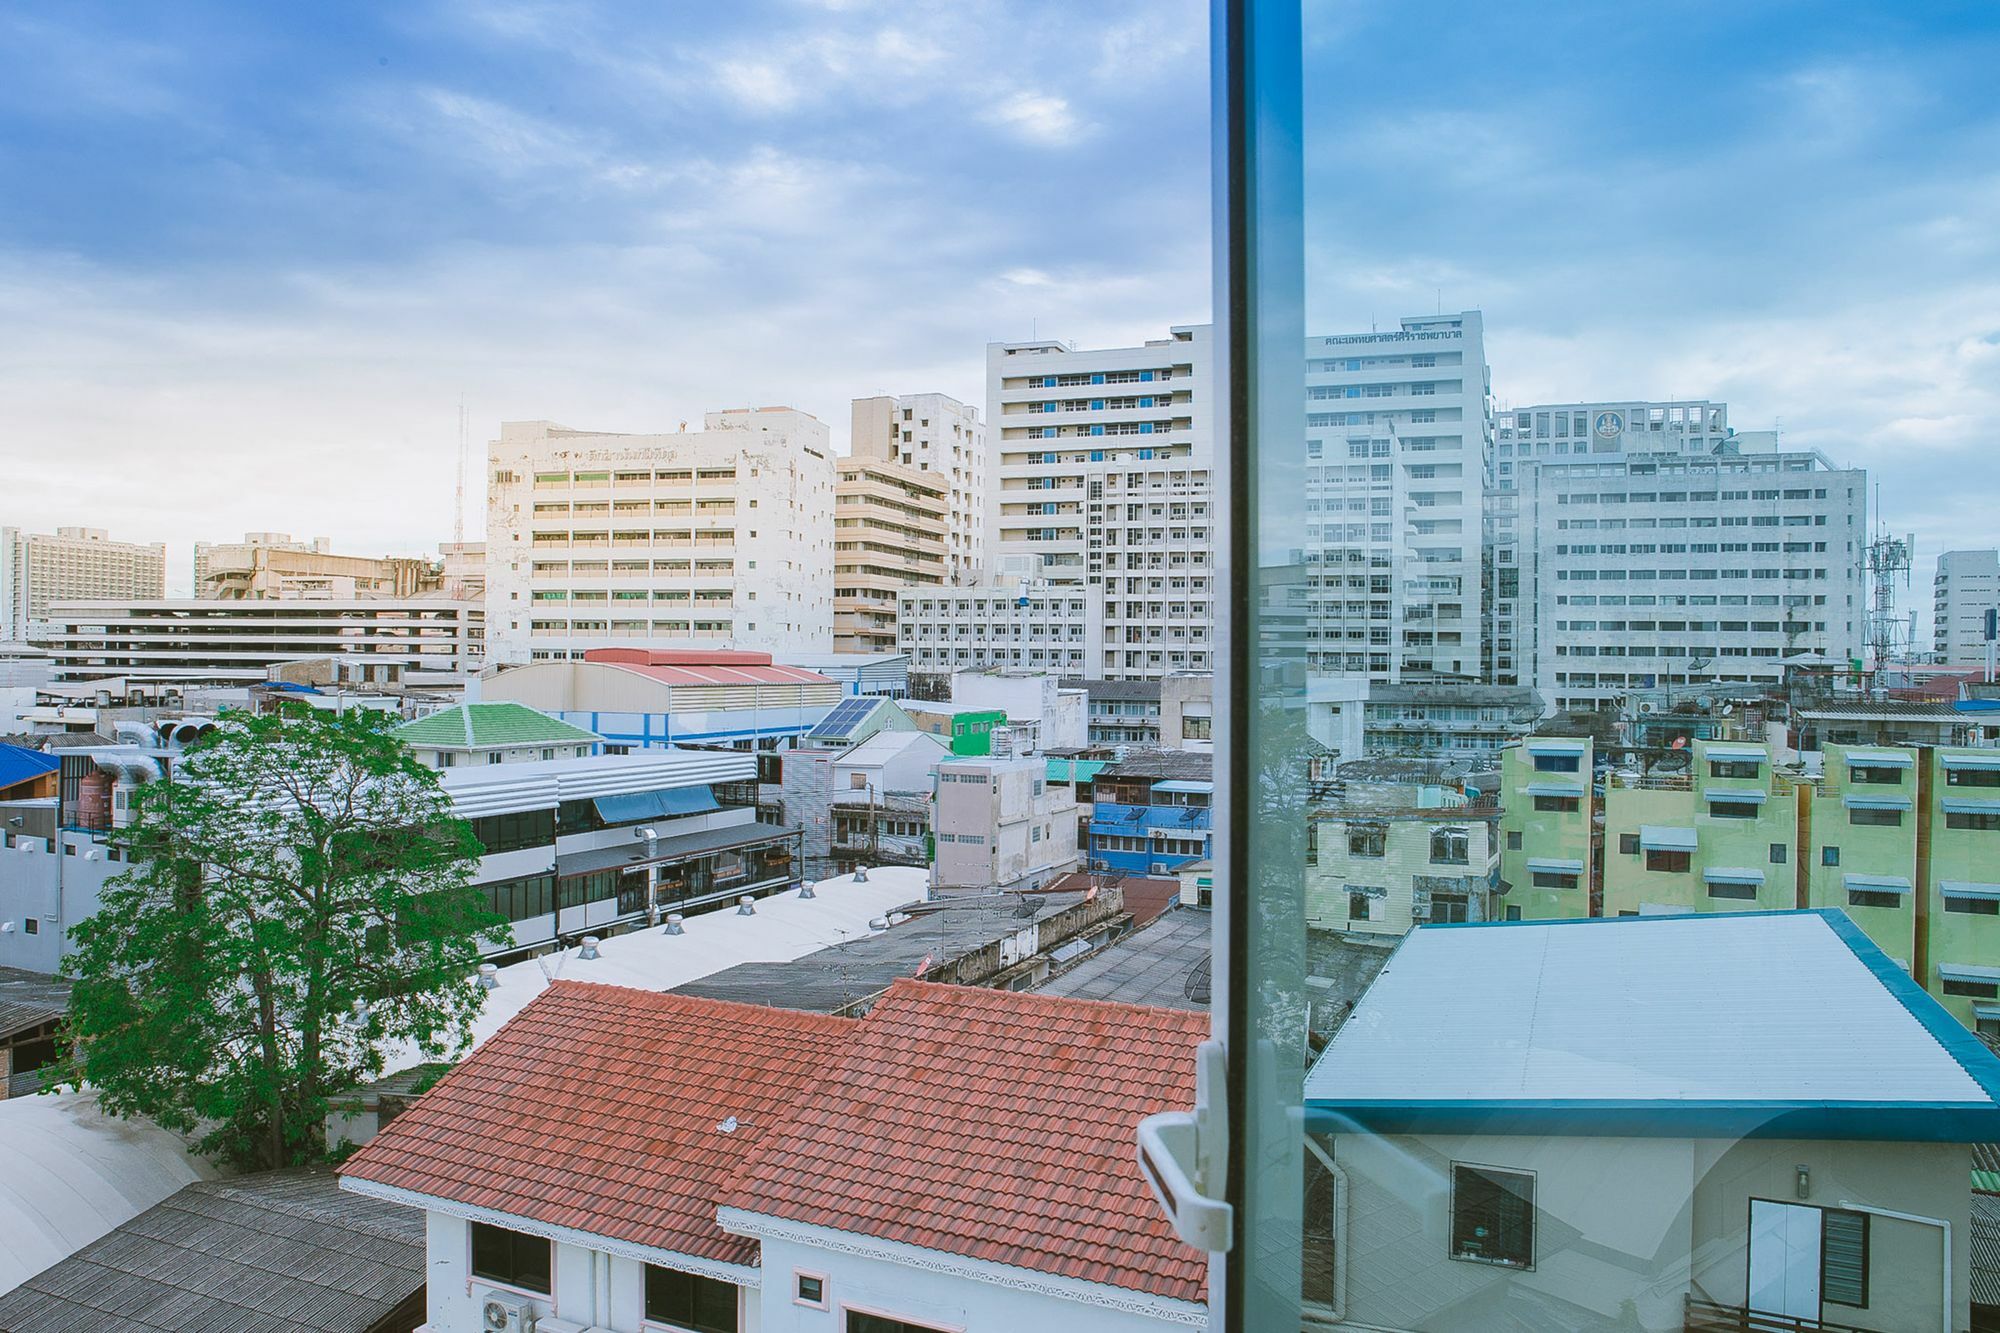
[507, 1314]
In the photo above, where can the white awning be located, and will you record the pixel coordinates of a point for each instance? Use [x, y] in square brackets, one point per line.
[1553, 789]
[1666, 838]
[1991, 759]
[1876, 883]
[1720, 750]
[1968, 972]
[1968, 888]
[1876, 802]
[1879, 758]
[1735, 794]
[1553, 745]
[1733, 875]
[1555, 867]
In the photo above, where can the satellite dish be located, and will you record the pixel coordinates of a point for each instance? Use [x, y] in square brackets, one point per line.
[1703, 701]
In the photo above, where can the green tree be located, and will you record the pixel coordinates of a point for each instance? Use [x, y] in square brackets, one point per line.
[299, 906]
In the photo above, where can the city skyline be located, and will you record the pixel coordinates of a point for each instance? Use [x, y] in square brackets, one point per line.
[348, 230]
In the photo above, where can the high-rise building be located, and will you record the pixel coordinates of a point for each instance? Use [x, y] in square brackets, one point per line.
[1398, 458]
[1562, 430]
[1965, 588]
[934, 433]
[716, 538]
[889, 533]
[1101, 485]
[1679, 572]
[270, 565]
[38, 569]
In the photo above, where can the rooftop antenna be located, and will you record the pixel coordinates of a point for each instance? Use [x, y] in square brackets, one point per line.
[458, 516]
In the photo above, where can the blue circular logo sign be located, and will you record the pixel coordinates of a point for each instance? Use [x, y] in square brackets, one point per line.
[1609, 425]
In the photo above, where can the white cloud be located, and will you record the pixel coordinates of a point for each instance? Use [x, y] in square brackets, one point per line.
[1042, 118]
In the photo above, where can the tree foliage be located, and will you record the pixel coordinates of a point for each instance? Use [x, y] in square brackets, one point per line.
[299, 906]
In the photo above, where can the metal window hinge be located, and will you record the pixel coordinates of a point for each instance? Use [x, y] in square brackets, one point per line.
[1182, 1154]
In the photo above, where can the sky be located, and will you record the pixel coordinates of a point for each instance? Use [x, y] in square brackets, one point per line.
[253, 258]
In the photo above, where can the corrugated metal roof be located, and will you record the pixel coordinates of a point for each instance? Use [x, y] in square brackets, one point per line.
[1568, 1020]
[18, 765]
[1985, 1249]
[485, 725]
[543, 784]
[256, 1254]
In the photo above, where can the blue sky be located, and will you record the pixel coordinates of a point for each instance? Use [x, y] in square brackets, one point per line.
[251, 257]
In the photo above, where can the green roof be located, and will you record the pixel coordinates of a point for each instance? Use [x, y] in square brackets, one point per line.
[491, 726]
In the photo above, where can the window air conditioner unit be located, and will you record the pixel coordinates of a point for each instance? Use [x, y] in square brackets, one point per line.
[507, 1314]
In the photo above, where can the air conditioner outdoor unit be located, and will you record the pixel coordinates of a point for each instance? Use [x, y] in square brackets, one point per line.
[507, 1314]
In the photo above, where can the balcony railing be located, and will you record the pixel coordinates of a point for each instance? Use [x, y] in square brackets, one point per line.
[1707, 1317]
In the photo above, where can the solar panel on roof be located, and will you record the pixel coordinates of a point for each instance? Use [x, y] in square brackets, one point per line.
[846, 715]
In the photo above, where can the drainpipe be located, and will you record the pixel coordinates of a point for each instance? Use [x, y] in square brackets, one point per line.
[1944, 1231]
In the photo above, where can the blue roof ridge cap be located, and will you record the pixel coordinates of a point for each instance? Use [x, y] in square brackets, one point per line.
[1957, 1040]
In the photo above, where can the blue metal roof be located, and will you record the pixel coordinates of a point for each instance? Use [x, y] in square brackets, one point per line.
[19, 764]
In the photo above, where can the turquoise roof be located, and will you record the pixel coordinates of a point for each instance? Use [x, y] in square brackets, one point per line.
[491, 726]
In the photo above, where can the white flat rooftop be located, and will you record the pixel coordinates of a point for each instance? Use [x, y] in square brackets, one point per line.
[1788, 1024]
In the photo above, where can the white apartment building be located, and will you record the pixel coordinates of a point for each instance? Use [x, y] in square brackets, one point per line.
[932, 432]
[1398, 454]
[1029, 626]
[721, 537]
[1562, 430]
[1965, 588]
[378, 640]
[889, 533]
[1102, 489]
[1000, 824]
[1677, 572]
[38, 569]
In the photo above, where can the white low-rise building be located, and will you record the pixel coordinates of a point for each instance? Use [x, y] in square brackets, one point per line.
[674, 1162]
[1000, 824]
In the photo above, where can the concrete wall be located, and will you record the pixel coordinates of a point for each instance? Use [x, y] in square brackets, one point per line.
[1625, 1227]
[56, 891]
[1001, 824]
[1407, 855]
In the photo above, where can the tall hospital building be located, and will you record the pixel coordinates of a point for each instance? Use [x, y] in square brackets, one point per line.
[39, 569]
[1098, 517]
[716, 538]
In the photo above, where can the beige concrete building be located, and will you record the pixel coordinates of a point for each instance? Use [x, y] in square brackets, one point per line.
[271, 565]
[718, 538]
[1000, 824]
[934, 433]
[38, 569]
[889, 533]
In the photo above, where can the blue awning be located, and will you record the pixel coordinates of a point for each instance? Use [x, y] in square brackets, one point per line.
[1967, 972]
[1732, 875]
[1666, 838]
[1876, 883]
[1879, 758]
[1735, 794]
[1721, 750]
[1555, 867]
[667, 803]
[1553, 789]
[1989, 760]
[1876, 802]
[1961, 805]
[1205, 788]
[1967, 888]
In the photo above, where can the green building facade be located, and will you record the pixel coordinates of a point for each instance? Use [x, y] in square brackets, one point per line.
[1545, 828]
[1961, 824]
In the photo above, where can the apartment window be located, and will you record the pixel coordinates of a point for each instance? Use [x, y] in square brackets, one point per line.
[685, 1300]
[1492, 1216]
[1628, 844]
[1873, 898]
[1879, 818]
[1552, 879]
[1560, 804]
[1513, 842]
[1450, 846]
[1958, 902]
[1878, 775]
[1778, 853]
[1558, 763]
[511, 1258]
[1367, 839]
[1954, 819]
[1972, 988]
[1668, 861]
[1972, 777]
[1843, 1261]
[860, 1321]
[1723, 809]
[809, 1289]
[1357, 905]
[1734, 768]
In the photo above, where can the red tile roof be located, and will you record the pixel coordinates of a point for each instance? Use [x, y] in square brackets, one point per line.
[596, 1108]
[678, 656]
[996, 1126]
